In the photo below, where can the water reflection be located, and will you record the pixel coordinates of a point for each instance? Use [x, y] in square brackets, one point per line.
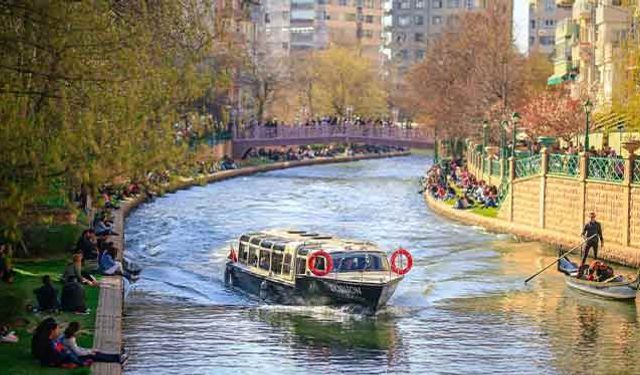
[463, 309]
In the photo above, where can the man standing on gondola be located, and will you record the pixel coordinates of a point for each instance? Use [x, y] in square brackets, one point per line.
[592, 232]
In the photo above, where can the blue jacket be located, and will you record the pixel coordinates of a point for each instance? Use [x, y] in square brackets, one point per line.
[106, 261]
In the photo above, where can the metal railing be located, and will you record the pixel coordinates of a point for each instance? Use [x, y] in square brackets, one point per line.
[636, 172]
[605, 169]
[486, 165]
[495, 167]
[530, 166]
[564, 165]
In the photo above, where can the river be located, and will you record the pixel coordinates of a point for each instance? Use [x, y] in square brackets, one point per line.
[462, 309]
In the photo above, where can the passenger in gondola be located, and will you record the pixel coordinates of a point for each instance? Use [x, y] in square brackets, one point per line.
[592, 232]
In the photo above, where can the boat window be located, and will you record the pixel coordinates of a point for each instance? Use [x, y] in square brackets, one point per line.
[276, 263]
[265, 259]
[266, 244]
[243, 253]
[244, 238]
[301, 266]
[278, 246]
[350, 262]
[253, 256]
[286, 266]
[256, 240]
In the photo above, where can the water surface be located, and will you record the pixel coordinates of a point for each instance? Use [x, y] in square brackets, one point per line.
[462, 309]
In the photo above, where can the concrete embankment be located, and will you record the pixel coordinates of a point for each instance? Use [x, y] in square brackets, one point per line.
[614, 253]
[108, 333]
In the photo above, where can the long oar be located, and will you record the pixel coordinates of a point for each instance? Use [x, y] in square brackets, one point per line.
[558, 259]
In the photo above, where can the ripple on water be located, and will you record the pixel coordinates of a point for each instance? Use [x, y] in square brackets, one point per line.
[463, 308]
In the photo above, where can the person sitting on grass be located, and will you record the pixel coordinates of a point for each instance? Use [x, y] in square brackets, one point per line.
[87, 245]
[46, 347]
[47, 295]
[6, 272]
[104, 226]
[68, 339]
[72, 298]
[74, 270]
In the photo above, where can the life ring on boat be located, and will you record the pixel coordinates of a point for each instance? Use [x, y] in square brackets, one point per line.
[328, 261]
[394, 258]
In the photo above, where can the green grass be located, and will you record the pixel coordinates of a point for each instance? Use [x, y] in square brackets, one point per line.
[16, 359]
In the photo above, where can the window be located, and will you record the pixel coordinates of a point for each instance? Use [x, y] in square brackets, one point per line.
[437, 4]
[419, 37]
[354, 262]
[404, 4]
[419, 4]
[369, 4]
[243, 253]
[404, 20]
[401, 38]
[301, 266]
[436, 20]
[549, 22]
[286, 265]
[368, 19]
[403, 54]
[265, 259]
[547, 40]
[532, 24]
[267, 19]
[549, 4]
[418, 20]
[342, 3]
[276, 262]
[285, 45]
[285, 14]
[453, 3]
[420, 53]
[253, 256]
[368, 34]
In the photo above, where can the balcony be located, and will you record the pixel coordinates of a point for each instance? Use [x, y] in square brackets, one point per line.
[564, 3]
[582, 9]
[611, 14]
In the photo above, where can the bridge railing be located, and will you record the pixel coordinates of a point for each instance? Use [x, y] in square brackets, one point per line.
[330, 131]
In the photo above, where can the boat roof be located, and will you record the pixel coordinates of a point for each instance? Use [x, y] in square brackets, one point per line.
[312, 240]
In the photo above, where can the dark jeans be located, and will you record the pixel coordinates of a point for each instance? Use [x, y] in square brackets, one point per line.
[585, 251]
[102, 357]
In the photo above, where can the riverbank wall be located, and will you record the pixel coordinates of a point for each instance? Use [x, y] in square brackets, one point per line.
[108, 332]
[550, 197]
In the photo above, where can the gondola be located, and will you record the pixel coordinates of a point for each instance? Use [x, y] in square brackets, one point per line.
[307, 268]
[617, 287]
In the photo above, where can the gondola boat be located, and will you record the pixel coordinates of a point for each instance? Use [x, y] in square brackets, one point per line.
[306, 268]
[617, 287]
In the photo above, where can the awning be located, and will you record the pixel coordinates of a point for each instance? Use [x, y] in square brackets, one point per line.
[555, 80]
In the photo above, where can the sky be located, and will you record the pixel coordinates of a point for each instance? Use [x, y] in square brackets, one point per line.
[520, 23]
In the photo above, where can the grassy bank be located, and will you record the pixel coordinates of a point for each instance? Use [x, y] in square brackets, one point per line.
[16, 359]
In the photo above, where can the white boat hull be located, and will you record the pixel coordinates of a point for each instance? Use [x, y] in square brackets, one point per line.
[619, 292]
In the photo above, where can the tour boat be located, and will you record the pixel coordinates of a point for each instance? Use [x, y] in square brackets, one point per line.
[306, 268]
[617, 287]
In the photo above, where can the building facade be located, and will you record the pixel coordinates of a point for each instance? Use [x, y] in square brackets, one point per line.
[544, 16]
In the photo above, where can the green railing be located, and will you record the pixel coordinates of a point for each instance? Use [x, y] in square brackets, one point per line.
[605, 169]
[564, 165]
[495, 167]
[636, 171]
[503, 191]
[528, 166]
[485, 166]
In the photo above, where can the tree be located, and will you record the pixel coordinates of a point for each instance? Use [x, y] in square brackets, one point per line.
[553, 113]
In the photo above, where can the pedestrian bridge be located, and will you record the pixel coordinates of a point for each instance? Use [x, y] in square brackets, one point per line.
[265, 136]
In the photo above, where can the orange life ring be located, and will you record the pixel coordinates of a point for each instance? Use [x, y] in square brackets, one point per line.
[311, 263]
[394, 258]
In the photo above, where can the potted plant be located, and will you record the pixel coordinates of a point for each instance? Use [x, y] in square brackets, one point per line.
[631, 144]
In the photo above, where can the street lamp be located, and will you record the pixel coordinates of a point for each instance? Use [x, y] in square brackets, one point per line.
[588, 107]
[485, 136]
[503, 143]
[515, 118]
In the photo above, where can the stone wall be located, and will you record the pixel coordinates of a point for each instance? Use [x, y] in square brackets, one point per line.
[526, 202]
[563, 205]
[634, 213]
[606, 200]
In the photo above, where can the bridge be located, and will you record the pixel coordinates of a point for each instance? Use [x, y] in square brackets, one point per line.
[262, 136]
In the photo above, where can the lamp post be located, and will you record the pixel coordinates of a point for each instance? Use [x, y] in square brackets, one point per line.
[515, 118]
[503, 144]
[485, 136]
[588, 107]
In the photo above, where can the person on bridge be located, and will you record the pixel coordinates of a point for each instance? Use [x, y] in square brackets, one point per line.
[592, 232]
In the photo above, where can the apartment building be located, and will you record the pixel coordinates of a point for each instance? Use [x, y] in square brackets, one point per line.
[544, 15]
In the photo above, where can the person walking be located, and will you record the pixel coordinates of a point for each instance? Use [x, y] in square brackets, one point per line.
[592, 232]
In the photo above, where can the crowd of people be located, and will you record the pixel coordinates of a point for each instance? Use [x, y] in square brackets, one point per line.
[454, 181]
